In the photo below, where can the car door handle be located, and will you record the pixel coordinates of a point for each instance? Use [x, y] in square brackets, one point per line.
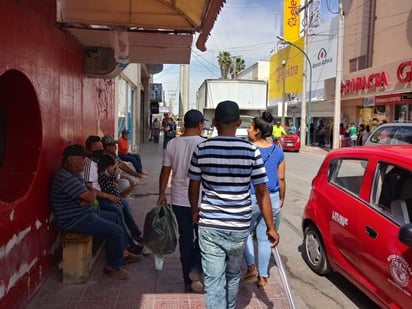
[371, 232]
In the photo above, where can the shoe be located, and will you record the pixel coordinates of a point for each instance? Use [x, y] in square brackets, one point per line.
[116, 273]
[196, 278]
[250, 276]
[262, 282]
[139, 239]
[136, 250]
[132, 258]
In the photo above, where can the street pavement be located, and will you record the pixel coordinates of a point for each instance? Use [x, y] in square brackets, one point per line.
[148, 287]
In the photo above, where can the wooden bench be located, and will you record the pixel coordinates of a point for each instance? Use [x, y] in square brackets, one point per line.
[79, 256]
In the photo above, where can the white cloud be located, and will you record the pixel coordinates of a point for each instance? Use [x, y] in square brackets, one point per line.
[244, 28]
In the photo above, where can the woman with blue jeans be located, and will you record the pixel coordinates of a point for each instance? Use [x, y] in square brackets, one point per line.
[259, 131]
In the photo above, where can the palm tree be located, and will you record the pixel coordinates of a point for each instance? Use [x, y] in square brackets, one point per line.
[237, 66]
[225, 61]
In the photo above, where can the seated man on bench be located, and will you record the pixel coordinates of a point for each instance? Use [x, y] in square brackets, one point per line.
[72, 205]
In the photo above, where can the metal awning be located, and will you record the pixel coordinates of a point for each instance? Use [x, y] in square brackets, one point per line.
[157, 31]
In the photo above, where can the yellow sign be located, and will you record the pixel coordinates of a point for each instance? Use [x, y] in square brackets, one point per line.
[286, 71]
[291, 20]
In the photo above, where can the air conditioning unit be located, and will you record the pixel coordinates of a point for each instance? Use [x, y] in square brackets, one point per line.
[100, 62]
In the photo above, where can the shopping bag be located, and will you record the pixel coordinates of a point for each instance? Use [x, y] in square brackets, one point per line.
[160, 230]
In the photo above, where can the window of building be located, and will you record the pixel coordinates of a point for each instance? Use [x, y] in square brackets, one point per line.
[357, 64]
[353, 65]
[362, 62]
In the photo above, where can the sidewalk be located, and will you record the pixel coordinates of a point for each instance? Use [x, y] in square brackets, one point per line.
[147, 288]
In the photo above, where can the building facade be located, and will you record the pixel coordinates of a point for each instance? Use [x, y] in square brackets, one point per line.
[377, 66]
[46, 103]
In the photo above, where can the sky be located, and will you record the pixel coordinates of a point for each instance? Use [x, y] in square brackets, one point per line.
[244, 28]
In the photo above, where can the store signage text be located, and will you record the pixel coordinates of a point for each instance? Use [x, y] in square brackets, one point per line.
[294, 12]
[289, 71]
[372, 81]
[322, 60]
[404, 72]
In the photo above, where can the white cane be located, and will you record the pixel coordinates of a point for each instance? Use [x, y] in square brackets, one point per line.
[282, 274]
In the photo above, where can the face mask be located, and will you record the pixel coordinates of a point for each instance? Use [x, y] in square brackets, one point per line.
[98, 153]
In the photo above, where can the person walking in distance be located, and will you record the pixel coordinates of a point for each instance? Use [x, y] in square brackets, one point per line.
[221, 171]
[176, 160]
[274, 159]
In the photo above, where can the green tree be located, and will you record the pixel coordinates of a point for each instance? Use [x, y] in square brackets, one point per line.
[237, 65]
[225, 61]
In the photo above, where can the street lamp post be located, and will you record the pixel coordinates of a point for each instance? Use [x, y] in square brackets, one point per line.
[310, 85]
[282, 121]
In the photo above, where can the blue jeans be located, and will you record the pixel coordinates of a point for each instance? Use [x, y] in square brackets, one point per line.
[106, 205]
[188, 242]
[104, 224]
[264, 249]
[221, 260]
[134, 158]
[129, 219]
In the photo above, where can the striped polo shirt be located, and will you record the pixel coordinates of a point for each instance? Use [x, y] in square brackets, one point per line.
[226, 167]
[65, 194]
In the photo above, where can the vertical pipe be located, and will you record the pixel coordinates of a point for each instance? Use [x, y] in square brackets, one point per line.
[338, 82]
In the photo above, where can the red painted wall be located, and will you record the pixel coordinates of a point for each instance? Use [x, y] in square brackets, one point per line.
[45, 103]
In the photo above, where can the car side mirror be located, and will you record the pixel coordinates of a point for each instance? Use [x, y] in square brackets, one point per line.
[405, 234]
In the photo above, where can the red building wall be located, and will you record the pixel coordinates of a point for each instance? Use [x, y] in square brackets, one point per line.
[46, 103]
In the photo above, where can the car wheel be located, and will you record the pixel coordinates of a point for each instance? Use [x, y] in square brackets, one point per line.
[315, 254]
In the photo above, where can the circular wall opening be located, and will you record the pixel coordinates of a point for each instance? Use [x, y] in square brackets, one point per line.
[20, 135]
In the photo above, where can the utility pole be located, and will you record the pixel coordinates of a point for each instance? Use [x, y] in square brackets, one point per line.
[338, 82]
[184, 89]
[304, 126]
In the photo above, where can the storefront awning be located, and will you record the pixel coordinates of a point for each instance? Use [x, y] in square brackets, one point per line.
[158, 31]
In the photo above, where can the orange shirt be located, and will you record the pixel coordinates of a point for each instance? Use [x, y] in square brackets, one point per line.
[123, 146]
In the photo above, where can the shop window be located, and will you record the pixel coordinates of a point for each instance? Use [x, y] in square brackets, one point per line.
[402, 112]
[20, 135]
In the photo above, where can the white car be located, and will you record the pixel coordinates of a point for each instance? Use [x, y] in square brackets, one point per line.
[396, 133]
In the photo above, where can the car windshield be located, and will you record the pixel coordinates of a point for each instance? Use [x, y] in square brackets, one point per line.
[393, 135]
[245, 122]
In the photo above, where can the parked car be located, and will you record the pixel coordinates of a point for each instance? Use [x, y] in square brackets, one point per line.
[357, 221]
[290, 141]
[396, 133]
[241, 131]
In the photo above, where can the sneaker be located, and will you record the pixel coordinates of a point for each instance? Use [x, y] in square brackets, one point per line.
[116, 273]
[132, 258]
[196, 278]
[138, 238]
[136, 250]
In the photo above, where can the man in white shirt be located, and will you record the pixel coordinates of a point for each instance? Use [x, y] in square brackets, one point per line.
[176, 159]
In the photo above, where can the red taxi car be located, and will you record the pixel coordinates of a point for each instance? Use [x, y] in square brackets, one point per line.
[357, 221]
[290, 141]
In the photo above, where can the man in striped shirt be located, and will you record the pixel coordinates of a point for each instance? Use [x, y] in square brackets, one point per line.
[72, 203]
[225, 167]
